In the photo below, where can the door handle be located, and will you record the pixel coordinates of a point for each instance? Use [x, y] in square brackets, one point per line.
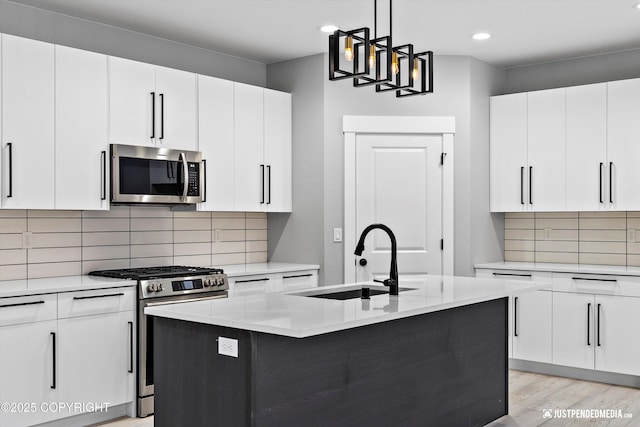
[10, 147]
[130, 370]
[515, 316]
[53, 353]
[362, 262]
[162, 116]
[269, 186]
[153, 115]
[522, 185]
[601, 165]
[589, 324]
[610, 182]
[530, 185]
[185, 183]
[261, 184]
[598, 326]
[204, 181]
[103, 165]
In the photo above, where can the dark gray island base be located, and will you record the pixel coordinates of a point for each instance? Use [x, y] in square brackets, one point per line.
[445, 368]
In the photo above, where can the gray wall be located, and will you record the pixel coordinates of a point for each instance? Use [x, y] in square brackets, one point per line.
[298, 236]
[51, 27]
[572, 72]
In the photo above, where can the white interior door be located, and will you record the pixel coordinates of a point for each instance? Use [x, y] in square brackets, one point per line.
[399, 184]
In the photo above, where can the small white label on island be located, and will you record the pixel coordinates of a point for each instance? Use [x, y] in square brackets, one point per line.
[228, 346]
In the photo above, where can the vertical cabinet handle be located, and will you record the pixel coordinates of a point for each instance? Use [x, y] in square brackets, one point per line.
[589, 324]
[10, 147]
[103, 165]
[522, 185]
[610, 182]
[53, 337]
[153, 115]
[162, 116]
[600, 189]
[204, 181]
[515, 317]
[261, 184]
[269, 179]
[598, 326]
[530, 179]
[130, 347]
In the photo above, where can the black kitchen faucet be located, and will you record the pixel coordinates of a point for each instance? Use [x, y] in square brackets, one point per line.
[392, 281]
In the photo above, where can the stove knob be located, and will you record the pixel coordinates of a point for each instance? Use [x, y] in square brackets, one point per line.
[159, 287]
[219, 281]
[207, 283]
[151, 287]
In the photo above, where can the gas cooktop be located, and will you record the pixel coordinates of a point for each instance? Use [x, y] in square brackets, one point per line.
[145, 273]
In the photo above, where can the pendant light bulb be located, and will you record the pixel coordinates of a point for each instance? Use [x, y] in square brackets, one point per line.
[395, 67]
[348, 48]
[372, 56]
[414, 72]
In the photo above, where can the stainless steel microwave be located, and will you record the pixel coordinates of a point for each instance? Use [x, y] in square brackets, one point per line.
[156, 175]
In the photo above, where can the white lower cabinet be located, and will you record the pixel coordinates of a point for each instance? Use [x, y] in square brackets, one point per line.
[28, 329]
[63, 353]
[531, 326]
[257, 284]
[597, 332]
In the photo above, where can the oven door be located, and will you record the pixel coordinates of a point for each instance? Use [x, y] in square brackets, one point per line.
[145, 345]
[155, 175]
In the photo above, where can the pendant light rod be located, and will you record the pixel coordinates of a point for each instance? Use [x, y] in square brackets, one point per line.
[375, 19]
[390, 20]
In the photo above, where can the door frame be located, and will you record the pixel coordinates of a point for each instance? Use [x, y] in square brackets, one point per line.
[354, 125]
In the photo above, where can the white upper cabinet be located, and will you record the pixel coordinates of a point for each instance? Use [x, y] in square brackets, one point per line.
[81, 130]
[586, 165]
[176, 94]
[151, 105]
[546, 150]
[27, 123]
[216, 142]
[277, 150]
[250, 169]
[509, 168]
[623, 147]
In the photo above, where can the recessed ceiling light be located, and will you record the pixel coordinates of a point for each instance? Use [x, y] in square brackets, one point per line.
[481, 36]
[637, 5]
[328, 28]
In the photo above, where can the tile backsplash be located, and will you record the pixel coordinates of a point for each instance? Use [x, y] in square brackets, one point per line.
[68, 243]
[611, 238]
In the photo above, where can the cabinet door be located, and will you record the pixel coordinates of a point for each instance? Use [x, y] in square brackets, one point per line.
[27, 372]
[573, 330]
[623, 149]
[532, 326]
[27, 123]
[216, 142]
[617, 334]
[277, 150]
[96, 358]
[131, 102]
[587, 148]
[176, 104]
[509, 153]
[82, 149]
[546, 149]
[250, 169]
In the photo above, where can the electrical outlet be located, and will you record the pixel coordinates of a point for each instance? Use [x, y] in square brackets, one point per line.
[547, 233]
[27, 240]
[228, 346]
[631, 235]
[337, 235]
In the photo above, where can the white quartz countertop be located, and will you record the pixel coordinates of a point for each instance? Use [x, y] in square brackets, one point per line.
[562, 268]
[235, 270]
[293, 315]
[51, 285]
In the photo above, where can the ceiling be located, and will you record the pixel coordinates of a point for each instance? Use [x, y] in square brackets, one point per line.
[523, 32]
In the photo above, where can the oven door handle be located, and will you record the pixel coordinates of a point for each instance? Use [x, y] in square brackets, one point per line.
[155, 304]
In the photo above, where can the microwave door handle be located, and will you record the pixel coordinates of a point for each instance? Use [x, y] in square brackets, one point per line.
[185, 183]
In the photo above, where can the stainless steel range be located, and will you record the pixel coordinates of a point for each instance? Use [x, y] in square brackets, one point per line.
[159, 286]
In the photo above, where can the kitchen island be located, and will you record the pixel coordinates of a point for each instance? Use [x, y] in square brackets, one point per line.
[436, 354]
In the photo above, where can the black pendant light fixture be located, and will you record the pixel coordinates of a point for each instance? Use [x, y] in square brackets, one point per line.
[376, 62]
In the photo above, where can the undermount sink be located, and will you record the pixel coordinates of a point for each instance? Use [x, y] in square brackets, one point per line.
[350, 293]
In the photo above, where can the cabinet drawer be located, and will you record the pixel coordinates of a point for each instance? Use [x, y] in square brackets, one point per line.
[84, 303]
[252, 285]
[300, 280]
[597, 284]
[34, 308]
[525, 275]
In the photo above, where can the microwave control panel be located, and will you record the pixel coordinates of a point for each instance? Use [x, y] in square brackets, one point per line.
[194, 180]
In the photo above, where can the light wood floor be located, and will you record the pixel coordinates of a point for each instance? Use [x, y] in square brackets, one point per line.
[529, 395]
